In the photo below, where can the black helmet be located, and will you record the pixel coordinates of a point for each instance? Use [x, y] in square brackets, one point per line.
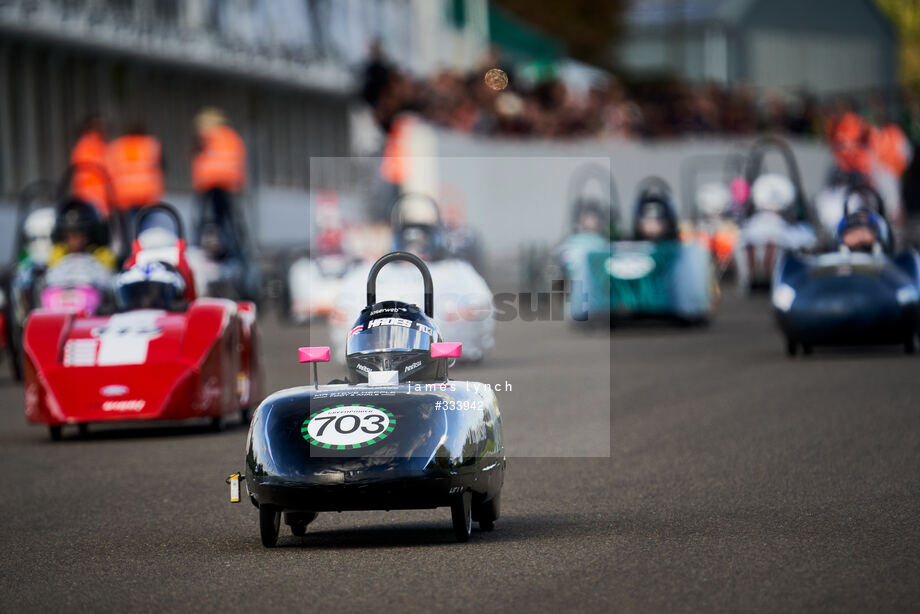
[152, 285]
[417, 226]
[394, 336]
[80, 216]
[654, 204]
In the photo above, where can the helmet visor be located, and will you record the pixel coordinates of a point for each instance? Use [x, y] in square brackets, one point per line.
[387, 338]
[147, 295]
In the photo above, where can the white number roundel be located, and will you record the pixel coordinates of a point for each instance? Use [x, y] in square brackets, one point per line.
[348, 426]
[630, 266]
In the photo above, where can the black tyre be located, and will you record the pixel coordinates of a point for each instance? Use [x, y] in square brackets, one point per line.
[13, 342]
[269, 524]
[807, 349]
[461, 514]
[298, 521]
[218, 424]
[487, 513]
[83, 429]
[792, 348]
[245, 415]
[55, 433]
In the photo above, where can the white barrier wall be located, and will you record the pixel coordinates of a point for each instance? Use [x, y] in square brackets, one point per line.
[517, 191]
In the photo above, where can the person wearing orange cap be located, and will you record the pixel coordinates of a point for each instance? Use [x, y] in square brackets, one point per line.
[89, 179]
[218, 171]
[135, 164]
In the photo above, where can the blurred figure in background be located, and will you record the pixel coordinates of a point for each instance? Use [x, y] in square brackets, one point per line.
[135, 164]
[89, 182]
[892, 153]
[849, 140]
[218, 175]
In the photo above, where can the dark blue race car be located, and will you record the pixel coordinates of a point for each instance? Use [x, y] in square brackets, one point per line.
[862, 293]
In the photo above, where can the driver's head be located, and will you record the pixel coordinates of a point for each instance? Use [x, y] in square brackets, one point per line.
[859, 231]
[653, 221]
[589, 216]
[772, 192]
[423, 241]
[78, 226]
[392, 336]
[152, 285]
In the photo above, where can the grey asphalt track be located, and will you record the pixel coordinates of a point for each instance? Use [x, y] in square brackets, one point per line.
[738, 480]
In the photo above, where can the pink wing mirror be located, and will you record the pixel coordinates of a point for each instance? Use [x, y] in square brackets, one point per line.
[314, 354]
[447, 349]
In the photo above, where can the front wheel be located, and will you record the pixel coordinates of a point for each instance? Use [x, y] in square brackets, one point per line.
[792, 347]
[462, 516]
[55, 432]
[269, 524]
[488, 513]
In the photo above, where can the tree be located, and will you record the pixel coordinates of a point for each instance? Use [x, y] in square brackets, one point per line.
[588, 28]
[905, 17]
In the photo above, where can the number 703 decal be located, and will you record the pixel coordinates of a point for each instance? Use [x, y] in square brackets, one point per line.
[347, 427]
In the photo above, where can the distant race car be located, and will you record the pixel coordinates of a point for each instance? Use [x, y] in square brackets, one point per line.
[862, 293]
[654, 275]
[463, 298]
[707, 181]
[774, 219]
[398, 434]
[39, 275]
[313, 285]
[165, 354]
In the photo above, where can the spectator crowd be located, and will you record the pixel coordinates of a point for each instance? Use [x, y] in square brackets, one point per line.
[549, 108]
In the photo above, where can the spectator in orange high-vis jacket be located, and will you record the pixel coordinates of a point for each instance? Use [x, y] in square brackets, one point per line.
[891, 147]
[89, 181]
[849, 139]
[218, 174]
[135, 163]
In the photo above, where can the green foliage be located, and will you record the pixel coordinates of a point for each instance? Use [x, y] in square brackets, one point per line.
[905, 17]
[587, 28]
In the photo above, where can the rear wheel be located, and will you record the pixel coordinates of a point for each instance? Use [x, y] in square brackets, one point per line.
[269, 524]
[55, 432]
[245, 415]
[792, 348]
[488, 513]
[83, 428]
[298, 522]
[807, 349]
[462, 516]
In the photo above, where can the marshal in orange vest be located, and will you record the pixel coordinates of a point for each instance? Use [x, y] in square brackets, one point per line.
[90, 176]
[220, 162]
[134, 163]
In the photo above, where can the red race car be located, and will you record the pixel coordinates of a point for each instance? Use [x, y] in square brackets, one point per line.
[163, 355]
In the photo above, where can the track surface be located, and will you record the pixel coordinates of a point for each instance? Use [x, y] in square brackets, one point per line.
[738, 480]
